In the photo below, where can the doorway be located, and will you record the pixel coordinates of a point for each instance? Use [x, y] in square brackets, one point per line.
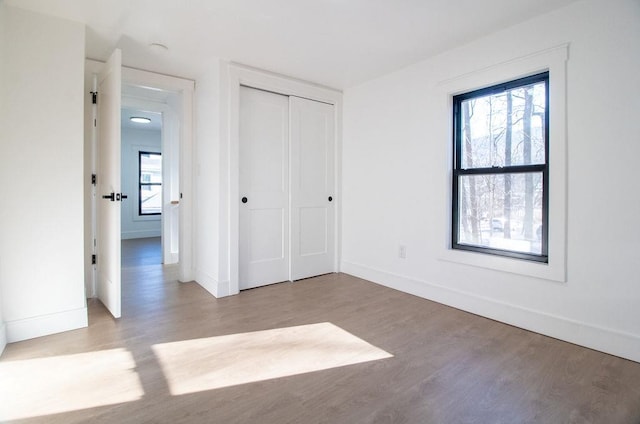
[142, 180]
[171, 100]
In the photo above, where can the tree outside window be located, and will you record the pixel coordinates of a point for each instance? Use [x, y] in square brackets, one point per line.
[500, 181]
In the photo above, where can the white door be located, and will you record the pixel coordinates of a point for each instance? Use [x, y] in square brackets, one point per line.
[264, 191]
[108, 184]
[312, 188]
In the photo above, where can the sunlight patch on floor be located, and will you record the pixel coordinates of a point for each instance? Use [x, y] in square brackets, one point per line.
[43, 386]
[210, 363]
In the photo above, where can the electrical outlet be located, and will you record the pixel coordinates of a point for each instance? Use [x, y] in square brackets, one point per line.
[402, 252]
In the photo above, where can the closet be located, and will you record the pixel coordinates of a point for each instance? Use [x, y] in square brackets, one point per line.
[287, 217]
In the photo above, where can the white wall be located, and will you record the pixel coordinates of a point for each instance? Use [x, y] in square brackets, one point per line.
[208, 176]
[134, 141]
[3, 11]
[3, 329]
[41, 166]
[3, 326]
[396, 178]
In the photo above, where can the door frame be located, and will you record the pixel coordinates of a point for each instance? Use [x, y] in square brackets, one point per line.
[184, 89]
[241, 75]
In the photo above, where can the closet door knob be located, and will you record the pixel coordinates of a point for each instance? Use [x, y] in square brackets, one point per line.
[330, 198]
[244, 200]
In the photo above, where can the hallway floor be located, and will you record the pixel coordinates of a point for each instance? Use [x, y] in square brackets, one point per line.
[142, 251]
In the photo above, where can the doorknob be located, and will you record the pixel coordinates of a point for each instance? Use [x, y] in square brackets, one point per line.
[330, 198]
[244, 200]
[123, 196]
[111, 196]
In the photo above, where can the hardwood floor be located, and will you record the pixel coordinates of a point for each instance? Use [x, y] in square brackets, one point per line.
[331, 349]
[142, 251]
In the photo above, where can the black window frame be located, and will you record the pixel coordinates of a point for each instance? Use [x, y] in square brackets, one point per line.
[141, 184]
[458, 171]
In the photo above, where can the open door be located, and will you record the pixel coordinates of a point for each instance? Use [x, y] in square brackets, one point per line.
[108, 195]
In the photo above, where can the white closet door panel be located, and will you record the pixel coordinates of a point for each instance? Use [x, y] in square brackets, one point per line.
[312, 223]
[264, 183]
[312, 185]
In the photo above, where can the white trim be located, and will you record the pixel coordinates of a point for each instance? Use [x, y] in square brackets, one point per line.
[44, 325]
[280, 84]
[554, 60]
[607, 340]
[155, 81]
[213, 286]
[127, 235]
[3, 337]
[243, 75]
[144, 218]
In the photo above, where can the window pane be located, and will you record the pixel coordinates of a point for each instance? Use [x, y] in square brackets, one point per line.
[150, 199]
[504, 129]
[501, 211]
[150, 167]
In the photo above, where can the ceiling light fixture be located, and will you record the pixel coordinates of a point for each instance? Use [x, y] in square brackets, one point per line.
[140, 120]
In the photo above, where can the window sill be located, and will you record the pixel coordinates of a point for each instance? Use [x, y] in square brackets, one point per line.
[545, 271]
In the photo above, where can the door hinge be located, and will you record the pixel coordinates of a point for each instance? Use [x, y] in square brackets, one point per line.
[94, 179]
[93, 259]
[94, 97]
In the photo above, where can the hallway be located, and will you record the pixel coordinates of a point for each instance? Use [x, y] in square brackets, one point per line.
[147, 285]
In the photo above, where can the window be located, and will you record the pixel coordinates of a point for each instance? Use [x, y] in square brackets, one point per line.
[500, 173]
[150, 183]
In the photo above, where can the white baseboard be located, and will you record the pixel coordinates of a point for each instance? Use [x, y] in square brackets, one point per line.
[213, 286]
[3, 337]
[44, 325]
[618, 343]
[126, 235]
[224, 289]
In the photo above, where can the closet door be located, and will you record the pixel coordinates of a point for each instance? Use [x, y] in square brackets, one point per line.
[264, 188]
[312, 188]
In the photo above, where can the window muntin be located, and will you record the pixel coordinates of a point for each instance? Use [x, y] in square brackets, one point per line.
[500, 176]
[150, 183]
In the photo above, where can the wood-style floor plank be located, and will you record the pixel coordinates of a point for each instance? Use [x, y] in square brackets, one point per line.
[447, 366]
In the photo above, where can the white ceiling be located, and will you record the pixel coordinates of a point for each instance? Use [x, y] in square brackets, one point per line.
[338, 43]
